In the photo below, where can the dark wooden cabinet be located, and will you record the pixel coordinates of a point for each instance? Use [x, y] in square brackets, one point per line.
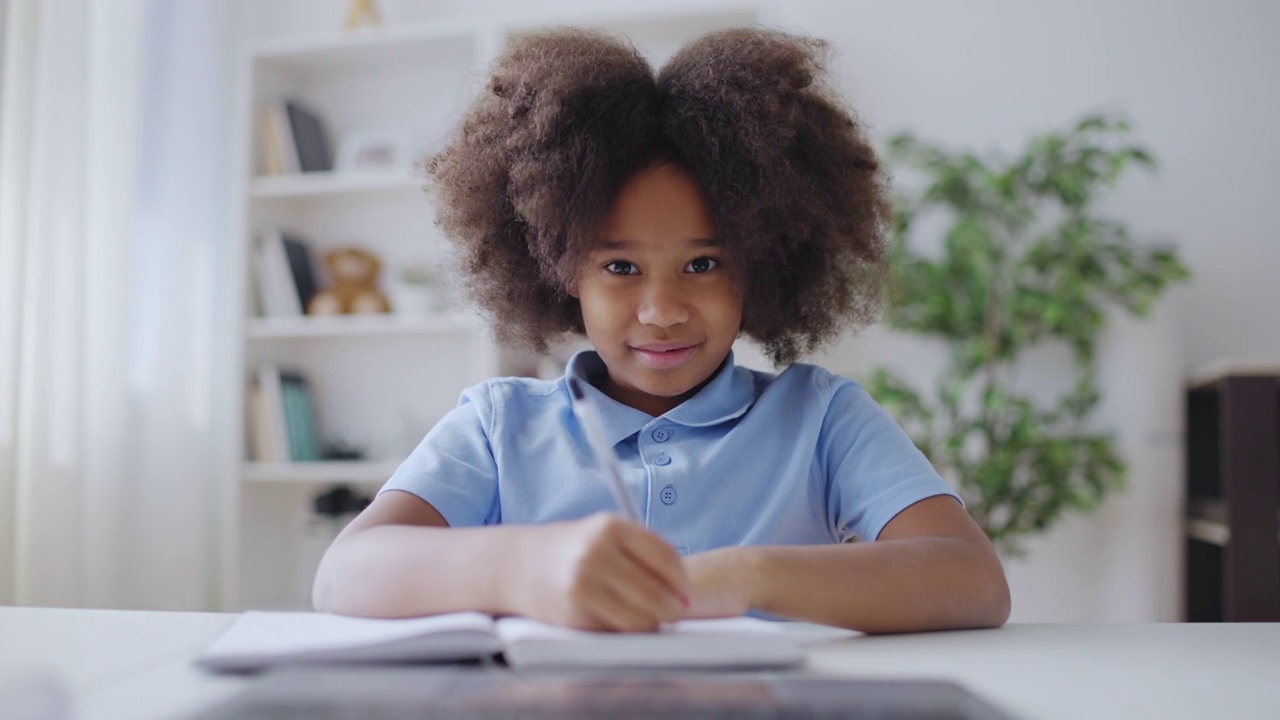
[1233, 496]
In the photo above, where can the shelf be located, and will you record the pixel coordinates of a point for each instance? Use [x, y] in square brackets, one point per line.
[1207, 521]
[322, 473]
[1211, 532]
[368, 48]
[380, 381]
[1216, 371]
[1232, 517]
[340, 326]
[324, 184]
[1208, 532]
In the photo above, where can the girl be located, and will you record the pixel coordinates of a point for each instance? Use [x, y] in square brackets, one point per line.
[664, 216]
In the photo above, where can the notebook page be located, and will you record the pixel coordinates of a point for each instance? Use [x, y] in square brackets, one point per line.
[722, 643]
[260, 639]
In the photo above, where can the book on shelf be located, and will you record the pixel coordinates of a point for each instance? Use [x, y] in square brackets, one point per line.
[285, 274]
[273, 279]
[299, 418]
[279, 154]
[293, 140]
[282, 417]
[309, 139]
[269, 152]
[260, 640]
[259, 433]
[302, 269]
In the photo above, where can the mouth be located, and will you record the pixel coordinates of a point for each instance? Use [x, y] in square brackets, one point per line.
[664, 356]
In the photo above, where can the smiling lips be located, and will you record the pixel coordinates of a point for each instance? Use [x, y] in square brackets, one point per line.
[664, 356]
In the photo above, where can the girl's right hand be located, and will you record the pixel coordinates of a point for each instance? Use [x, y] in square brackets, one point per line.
[599, 573]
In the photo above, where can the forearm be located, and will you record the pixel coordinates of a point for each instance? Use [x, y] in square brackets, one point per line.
[907, 585]
[403, 571]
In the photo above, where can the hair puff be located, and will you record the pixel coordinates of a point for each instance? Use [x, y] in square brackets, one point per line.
[794, 187]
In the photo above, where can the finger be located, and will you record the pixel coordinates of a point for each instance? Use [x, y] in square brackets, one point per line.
[618, 611]
[659, 559]
[643, 589]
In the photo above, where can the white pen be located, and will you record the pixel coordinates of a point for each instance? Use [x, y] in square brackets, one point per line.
[601, 450]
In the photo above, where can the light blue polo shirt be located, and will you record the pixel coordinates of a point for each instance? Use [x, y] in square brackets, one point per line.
[803, 457]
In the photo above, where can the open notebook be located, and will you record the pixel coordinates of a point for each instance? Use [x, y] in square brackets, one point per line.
[259, 640]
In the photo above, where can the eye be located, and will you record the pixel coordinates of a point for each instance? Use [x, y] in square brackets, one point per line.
[702, 265]
[621, 267]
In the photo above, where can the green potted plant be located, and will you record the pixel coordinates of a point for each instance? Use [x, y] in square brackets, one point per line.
[1026, 259]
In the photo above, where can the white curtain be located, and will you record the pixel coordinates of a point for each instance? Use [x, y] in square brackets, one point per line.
[110, 215]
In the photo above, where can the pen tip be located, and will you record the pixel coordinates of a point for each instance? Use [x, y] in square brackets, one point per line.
[575, 388]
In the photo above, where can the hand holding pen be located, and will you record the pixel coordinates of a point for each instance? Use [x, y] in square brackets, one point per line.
[604, 572]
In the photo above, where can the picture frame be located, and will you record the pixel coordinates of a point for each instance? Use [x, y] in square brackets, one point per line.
[375, 150]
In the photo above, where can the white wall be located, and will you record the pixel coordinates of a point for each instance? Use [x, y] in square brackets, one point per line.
[1198, 80]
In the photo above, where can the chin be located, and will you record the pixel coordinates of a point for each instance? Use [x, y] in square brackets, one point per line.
[668, 387]
[671, 391]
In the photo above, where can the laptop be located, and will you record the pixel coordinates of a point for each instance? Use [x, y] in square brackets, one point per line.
[494, 693]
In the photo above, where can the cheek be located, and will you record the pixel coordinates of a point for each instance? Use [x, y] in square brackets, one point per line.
[724, 308]
[602, 312]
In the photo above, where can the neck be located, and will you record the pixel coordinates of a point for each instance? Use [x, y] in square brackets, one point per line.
[654, 405]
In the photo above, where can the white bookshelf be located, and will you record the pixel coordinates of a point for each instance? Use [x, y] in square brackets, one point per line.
[379, 382]
[323, 473]
[356, 326]
[321, 184]
[370, 48]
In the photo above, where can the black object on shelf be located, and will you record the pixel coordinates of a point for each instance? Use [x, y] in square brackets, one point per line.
[301, 268]
[339, 449]
[339, 501]
[1233, 498]
[310, 138]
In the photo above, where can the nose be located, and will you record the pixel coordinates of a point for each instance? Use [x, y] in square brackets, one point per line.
[663, 305]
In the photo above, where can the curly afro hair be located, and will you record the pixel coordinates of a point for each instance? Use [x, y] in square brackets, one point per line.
[794, 187]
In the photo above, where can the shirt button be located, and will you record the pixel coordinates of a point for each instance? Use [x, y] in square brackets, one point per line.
[661, 435]
[682, 550]
[662, 459]
[668, 495]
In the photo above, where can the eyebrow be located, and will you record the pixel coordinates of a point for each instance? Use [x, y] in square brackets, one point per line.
[631, 244]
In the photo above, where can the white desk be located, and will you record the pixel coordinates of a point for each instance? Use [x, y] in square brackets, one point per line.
[137, 665]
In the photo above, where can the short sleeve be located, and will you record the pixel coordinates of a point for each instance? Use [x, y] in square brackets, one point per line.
[874, 471]
[453, 467]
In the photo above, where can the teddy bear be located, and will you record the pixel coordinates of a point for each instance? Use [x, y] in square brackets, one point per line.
[353, 286]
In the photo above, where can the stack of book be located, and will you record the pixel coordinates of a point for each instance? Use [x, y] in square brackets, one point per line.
[285, 274]
[293, 140]
[282, 417]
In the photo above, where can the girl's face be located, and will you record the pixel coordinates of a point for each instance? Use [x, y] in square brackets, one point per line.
[657, 302]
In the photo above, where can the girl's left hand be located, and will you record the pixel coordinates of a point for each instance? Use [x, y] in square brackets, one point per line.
[719, 583]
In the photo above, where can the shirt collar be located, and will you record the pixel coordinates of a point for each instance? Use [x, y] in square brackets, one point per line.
[729, 394]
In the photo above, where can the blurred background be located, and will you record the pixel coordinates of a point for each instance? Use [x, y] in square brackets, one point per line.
[225, 315]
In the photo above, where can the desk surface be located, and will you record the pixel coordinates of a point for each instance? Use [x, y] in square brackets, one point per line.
[137, 665]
